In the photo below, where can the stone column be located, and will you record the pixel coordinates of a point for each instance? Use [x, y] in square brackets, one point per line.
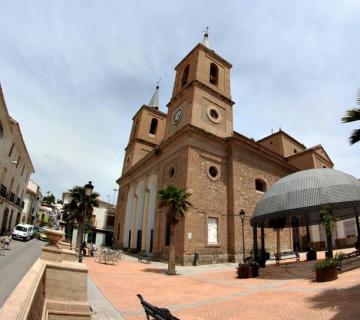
[133, 222]
[145, 220]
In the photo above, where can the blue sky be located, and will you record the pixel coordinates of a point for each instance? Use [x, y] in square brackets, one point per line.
[75, 72]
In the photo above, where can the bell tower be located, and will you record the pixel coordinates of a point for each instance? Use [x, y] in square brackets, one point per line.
[147, 131]
[201, 94]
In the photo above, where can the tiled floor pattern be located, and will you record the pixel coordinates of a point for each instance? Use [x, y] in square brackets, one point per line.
[213, 292]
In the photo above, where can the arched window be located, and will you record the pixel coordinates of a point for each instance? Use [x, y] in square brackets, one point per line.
[185, 75]
[153, 126]
[214, 73]
[260, 185]
[1, 131]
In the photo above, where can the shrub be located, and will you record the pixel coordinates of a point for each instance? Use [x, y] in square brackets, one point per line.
[326, 264]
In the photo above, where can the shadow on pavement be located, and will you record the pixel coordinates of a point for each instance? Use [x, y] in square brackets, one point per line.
[345, 302]
[288, 271]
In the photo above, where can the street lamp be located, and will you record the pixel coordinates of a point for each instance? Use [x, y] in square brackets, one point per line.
[242, 217]
[88, 189]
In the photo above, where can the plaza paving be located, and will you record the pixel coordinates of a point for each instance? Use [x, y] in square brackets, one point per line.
[213, 292]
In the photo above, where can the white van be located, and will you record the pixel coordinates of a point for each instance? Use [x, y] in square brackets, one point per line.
[23, 232]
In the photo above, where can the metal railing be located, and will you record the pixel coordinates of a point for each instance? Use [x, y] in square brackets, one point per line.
[12, 197]
[3, 190]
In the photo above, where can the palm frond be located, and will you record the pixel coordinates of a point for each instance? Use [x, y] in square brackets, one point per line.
[351, 115]
[355, 137]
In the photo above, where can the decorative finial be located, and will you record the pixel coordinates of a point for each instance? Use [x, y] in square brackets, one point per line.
[205, 41]
[154, 101]
[158, 83]
[272, 131]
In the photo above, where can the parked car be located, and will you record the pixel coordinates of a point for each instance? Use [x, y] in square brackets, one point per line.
[40, 234]
[23, 232]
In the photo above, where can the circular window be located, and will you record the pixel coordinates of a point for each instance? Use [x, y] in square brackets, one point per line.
[171, 172]
[295, 151]
[213, 172]
[213, 114]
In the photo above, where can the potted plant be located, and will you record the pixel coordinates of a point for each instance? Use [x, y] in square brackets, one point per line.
[326, 270]
[328, 220]
[248, 269]
[311, 252]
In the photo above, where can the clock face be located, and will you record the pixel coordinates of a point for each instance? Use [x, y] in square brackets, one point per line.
[178, 115]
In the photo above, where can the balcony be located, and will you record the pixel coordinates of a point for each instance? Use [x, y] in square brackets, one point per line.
[12, 197]
[3, 190]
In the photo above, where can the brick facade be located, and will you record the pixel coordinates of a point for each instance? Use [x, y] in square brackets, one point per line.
[196, 148]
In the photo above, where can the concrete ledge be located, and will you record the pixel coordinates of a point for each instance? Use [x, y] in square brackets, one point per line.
[54, 288]
[20, 302]
[54, 310]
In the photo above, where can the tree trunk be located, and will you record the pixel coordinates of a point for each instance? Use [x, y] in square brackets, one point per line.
[329, 245]
[171, 258]
[278, 241]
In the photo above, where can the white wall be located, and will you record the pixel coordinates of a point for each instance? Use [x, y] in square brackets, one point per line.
[127, 224]
[152, 186]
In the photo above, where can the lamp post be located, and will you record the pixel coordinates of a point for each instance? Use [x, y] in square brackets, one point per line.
[242, 217]
[88, 189]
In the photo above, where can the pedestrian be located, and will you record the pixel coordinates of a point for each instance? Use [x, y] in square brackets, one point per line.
[83, 247]
[93, 249]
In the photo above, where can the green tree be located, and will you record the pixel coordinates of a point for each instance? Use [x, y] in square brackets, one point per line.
[328, 220]
[75, 209]
[353, 115]
[49, 199]
[176, 200]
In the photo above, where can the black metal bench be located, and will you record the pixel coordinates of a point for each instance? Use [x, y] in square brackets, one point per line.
[348, 259]
[155, 312]
[145, 257]
[287, 255]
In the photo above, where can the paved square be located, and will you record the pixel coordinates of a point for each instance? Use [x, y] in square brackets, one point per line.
[213, 292]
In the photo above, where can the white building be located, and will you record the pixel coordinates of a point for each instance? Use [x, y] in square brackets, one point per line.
[32, 202]
[102, 223]
[15, 170]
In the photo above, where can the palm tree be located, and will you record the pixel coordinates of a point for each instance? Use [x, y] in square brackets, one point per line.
[353, 115]
[75, 209]
[328, 220]
[176, 199]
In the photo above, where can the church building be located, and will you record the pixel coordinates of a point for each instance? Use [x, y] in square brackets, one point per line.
[194, 146]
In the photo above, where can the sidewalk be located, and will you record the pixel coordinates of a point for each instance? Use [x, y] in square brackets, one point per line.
[213, 292]
[102, 308]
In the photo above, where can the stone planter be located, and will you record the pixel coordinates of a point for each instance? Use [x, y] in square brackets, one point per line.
[54, 236]
[245, 271]
[327, 274]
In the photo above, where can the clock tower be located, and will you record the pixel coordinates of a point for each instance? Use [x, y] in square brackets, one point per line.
[201, 94]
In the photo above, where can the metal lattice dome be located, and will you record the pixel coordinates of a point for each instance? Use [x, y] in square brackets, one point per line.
[303, 194]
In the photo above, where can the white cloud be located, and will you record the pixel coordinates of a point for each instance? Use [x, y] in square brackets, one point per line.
[75, 73]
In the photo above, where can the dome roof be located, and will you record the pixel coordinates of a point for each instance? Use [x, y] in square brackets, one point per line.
[304, 193]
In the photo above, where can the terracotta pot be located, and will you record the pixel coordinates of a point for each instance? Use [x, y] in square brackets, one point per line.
[328, 274]
[54, 236]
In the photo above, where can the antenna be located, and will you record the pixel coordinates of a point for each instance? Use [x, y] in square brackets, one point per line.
[158, 83]
[206, 32]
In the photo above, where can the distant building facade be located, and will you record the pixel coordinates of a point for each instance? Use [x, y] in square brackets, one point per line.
[32, 202]
[102, 223]
[15, 170]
